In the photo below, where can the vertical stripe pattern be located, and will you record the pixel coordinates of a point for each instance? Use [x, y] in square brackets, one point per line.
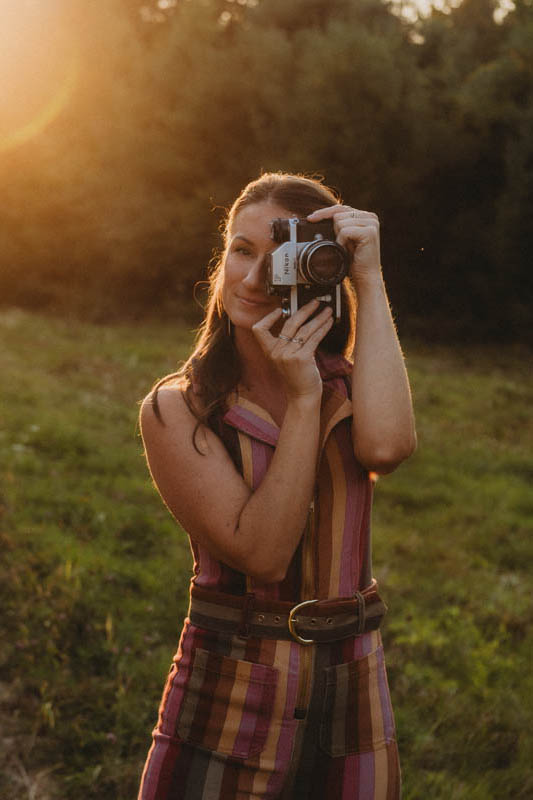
[227, 728]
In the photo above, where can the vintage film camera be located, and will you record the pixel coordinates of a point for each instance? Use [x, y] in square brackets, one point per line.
[308, 264]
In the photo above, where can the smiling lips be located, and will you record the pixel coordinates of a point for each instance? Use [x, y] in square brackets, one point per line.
[249, 302]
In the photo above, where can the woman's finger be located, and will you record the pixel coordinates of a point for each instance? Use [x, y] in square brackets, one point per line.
[262, 327]
[355, 216]
[340, 212]
[303, 333]
[357, 233]
[346, 212]
[323, 213]
[266, 322]
[295, 321]
[316, 337]
[261, 330]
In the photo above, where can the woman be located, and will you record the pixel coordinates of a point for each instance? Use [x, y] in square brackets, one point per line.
[263, 447]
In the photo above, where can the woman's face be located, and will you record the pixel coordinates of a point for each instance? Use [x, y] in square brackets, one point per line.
[244, 291]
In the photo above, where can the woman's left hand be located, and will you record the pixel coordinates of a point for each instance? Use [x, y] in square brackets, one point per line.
[358, 232]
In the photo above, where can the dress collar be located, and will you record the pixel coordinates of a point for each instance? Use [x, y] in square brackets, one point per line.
[249, 417]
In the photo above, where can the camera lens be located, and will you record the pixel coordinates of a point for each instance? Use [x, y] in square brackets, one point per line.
[323, 263]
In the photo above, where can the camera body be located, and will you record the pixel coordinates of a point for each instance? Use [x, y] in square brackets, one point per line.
[308, 264]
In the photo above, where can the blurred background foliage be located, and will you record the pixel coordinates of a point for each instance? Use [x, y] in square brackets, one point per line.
[159, 112]
[126, 127]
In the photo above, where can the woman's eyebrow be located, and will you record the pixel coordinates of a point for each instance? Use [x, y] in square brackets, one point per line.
[243, 238]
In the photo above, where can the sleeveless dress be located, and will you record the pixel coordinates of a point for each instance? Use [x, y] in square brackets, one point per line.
[257, 718]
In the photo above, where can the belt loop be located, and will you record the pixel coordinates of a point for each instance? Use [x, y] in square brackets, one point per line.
[244, 626]
[361, 613]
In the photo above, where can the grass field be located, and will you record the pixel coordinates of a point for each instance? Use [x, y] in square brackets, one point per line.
[94, 572]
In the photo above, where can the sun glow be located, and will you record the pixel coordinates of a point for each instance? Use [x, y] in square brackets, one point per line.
[413, 9]
[39, 68]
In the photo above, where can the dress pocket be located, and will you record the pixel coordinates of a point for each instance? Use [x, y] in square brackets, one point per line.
[227, 705]
[357, 712]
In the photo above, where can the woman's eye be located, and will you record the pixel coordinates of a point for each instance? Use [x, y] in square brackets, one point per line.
[243, 251]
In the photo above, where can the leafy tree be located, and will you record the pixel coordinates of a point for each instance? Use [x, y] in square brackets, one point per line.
[176, 105]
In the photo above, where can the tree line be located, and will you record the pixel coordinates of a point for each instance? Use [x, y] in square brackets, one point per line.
[113, 207]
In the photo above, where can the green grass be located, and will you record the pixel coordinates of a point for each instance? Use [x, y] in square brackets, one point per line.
[94, 572]
[453, 548]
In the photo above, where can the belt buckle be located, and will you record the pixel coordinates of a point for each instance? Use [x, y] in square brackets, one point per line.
[293, 620]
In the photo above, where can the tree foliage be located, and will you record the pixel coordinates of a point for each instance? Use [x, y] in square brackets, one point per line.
[109, 209]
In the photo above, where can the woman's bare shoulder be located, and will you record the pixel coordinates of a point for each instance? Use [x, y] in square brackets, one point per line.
[172, 420]
[167, 405]
[168, 395]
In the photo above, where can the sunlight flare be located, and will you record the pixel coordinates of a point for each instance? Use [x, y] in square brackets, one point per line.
[39, 69]
[47, 114]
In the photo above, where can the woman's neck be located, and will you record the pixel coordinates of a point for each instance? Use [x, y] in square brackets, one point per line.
[257, 372]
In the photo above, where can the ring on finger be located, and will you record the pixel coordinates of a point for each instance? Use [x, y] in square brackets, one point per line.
[288, 339]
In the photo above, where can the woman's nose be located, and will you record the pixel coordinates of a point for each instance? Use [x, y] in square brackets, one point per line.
[255, 278]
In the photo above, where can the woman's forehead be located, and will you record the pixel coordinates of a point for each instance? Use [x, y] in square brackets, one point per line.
[255, 219]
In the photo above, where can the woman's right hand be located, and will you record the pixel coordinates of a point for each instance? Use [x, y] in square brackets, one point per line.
[256, 532]
[292, 351]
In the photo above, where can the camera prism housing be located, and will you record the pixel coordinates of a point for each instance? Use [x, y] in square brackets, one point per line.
[308, 264]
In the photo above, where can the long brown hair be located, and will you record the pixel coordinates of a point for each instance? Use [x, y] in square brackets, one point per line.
[213, 369]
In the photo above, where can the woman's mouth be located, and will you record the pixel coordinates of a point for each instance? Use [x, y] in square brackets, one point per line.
[252, 302]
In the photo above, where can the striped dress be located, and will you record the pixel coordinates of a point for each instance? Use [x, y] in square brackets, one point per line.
[250, 718]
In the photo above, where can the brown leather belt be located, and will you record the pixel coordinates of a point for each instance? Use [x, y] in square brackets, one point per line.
[308, 622]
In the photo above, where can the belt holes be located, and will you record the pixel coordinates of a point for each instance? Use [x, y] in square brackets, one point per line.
[329, 621]
[277, 618]
[313, 621]
[261, 618]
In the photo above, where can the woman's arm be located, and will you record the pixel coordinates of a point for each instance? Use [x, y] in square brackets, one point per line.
[383, 428]
[254, 532]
